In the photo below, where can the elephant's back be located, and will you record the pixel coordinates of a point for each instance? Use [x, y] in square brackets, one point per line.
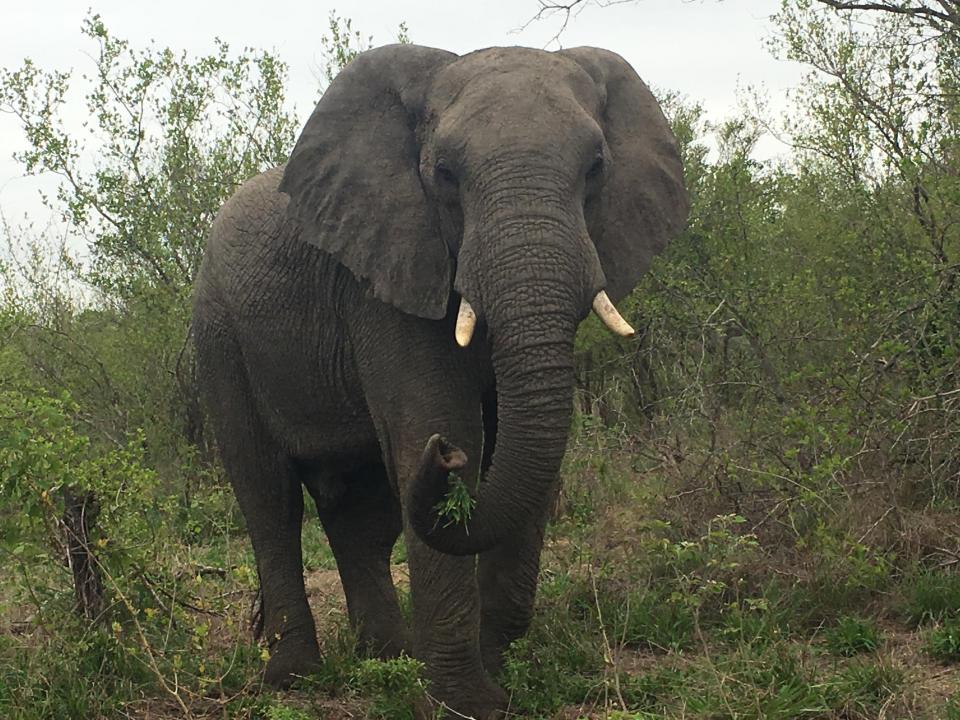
[257, 207]
[275, 297]
[255, 258]
[250, 226]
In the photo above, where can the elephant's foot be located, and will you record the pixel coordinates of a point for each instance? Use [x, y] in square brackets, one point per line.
[294, 656]
[492, 655]
[384, 643]
[482, 700]
[497, 632]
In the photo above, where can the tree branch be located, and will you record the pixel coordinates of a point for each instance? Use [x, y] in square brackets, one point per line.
[950, 14]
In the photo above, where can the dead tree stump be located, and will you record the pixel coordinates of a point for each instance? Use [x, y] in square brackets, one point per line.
[80, 510]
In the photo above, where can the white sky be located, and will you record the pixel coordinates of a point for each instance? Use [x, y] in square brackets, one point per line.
[705, 49]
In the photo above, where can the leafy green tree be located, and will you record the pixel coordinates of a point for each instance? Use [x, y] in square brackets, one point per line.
[882, 114]
[169, 139]
[800, 339]
[343, 43]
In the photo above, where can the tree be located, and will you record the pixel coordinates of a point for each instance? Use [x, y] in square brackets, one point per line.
[169, 139]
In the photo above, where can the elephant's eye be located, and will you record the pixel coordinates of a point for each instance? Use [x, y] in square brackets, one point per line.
[596, 168]
[444, 173]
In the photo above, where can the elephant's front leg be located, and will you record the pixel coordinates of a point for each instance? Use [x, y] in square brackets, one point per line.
[508, 584]
[446, 621]
[444, 592]
[418, 383]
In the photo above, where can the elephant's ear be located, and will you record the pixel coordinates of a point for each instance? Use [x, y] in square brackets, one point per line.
[354, 183]
[643, 202]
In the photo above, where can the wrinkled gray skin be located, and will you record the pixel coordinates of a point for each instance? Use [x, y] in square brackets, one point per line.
[524, 181]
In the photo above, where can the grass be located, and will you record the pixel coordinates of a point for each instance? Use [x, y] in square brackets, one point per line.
[853, 635]
[931, 596]
[943, 642]
[645, 610]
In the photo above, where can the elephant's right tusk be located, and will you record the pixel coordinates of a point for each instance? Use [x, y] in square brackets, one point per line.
[466, 322]
[611, 318]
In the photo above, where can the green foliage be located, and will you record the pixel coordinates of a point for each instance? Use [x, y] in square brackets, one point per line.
[796, 362]
[457, 505]
[931, 597]
[89, 677]
[864, 687]
[543, 674]
[651, 620]
[853, 635]
[285, 712]
[943, 642]
[393, 686]
[953, 707]
[170, 137]
[42, 456]
[343, 44]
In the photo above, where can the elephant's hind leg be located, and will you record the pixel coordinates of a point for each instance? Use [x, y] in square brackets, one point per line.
[362, 524]
[270, 496]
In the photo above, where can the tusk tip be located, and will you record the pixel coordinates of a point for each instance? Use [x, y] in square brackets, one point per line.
[608, 314]
[466, 322]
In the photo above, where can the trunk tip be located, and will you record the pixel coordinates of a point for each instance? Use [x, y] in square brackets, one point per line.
[444, 454]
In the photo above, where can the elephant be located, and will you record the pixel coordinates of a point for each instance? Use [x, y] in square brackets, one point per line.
[395, 309]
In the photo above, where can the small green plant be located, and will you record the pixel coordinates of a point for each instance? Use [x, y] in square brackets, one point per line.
[542, 673]
[865, 687]
[932, 596]
[953, 707]
[853, 635]
[393, 686]
[704, 574]
[758, 621]
[457, 505]
[648, 619]
[943, 642]
[285, 712]
[772, 682]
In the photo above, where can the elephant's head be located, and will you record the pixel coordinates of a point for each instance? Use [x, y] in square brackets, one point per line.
[524, 186]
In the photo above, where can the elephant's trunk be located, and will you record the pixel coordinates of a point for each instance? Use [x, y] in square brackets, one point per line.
[531, 317]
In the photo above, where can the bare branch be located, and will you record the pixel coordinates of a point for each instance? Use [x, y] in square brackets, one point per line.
[549, 9]
[950, 14]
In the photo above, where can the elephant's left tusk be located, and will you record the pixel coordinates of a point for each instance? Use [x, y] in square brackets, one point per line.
[611, 318]
[466, 322]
